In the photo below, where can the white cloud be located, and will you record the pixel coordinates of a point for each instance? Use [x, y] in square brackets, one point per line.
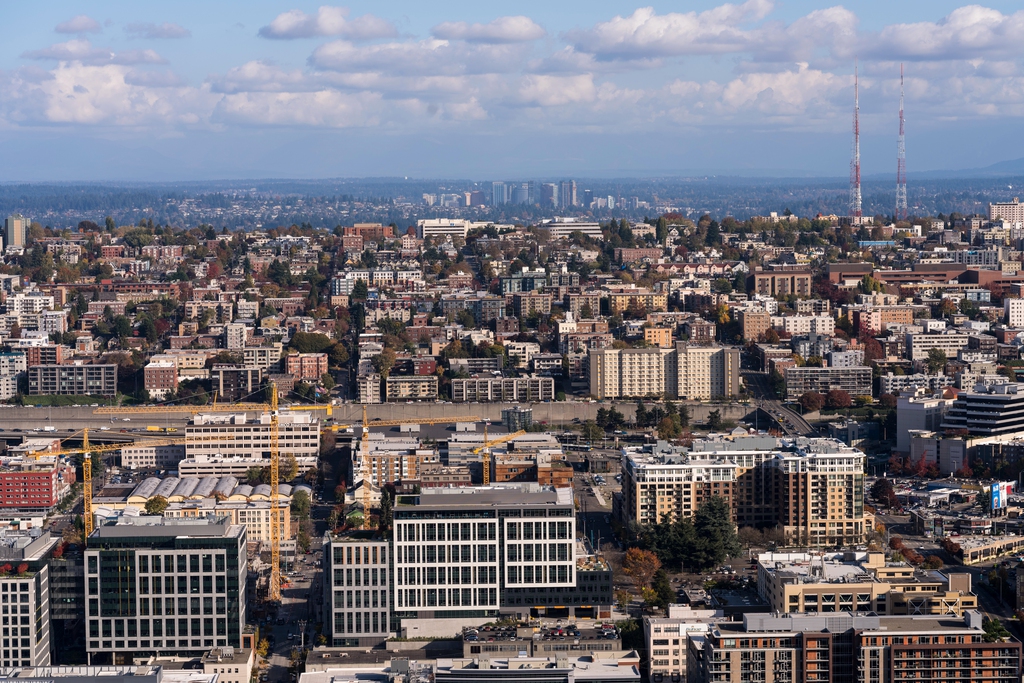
[553, 91]
[328, 21]
[965, 33]
[81, 50]
[424, 57]
[321, 109]
[101, 95]
[646, 34]
[79, 24]
[259, 76]
[151, 31]
[502, 30]
[154, 79]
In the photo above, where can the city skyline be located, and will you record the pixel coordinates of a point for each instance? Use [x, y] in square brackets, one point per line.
[107, 91]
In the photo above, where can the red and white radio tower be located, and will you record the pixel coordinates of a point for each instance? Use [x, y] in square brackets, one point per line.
[901, 164]
[855, 197]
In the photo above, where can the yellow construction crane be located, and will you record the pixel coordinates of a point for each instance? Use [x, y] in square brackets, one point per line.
[86, 486]
[486, 448]
[275, 524]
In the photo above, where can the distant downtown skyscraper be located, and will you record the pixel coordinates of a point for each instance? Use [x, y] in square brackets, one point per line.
[567, 194]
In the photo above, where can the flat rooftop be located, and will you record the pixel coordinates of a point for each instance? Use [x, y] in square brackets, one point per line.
[512, 495]
[148, 526]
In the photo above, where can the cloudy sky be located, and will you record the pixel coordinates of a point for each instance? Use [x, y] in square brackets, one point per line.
[196, 90]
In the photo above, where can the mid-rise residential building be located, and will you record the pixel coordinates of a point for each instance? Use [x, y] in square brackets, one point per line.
[1012, 212]
[77, 379]
[160, 377]
[236, 382]
[1014, 309]
[264, 357]
[843, 582]
[35, 483]
[306, 366]
[15, 230]
[357, 589]
[411, 388]
[637, 299]
[894, 384]
[754, 321]
[503, 389]
[856, 647]
[856, 381]
[813, 489]
[918, 345]
[158, 585]
[235, 335]
[668, 639]
[780, 283]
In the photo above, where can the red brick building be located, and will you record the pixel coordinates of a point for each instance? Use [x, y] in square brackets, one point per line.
[306, 365]
[160, 377]
[34, 485]
[50, 354]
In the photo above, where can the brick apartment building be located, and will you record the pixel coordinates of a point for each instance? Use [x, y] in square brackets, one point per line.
[160, 377]
[34, 485]
[303, 366]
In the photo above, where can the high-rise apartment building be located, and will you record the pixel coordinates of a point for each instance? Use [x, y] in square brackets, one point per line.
[813, 489]
[632, 373]
[157, 585]
[694, 372]
[705, 372]
[499, 193]
[15, 230]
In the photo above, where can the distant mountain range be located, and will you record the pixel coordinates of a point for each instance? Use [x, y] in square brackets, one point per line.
[1002, 169]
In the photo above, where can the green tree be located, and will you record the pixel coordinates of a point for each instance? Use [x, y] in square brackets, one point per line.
[300, 504]
[386, 509]
[327, 379]
[360, 291]
[591, 431]
[715, 532]
[936, 360]
[663, 589]
[715, 420]
[156, 505]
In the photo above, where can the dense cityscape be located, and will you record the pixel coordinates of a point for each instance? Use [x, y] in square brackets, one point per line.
[623, 449]
[420, 345]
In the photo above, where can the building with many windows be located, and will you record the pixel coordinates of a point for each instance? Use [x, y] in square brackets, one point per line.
[860, 648]
[357, 589]
[78, 379]
[25, 598]
[481, 552]
[157, 585]
[813, 489]
[231, 435]
[503, 389]
[856, 381]
[994, 411]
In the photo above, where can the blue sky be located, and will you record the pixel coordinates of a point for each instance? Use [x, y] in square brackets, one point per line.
[199, 90]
